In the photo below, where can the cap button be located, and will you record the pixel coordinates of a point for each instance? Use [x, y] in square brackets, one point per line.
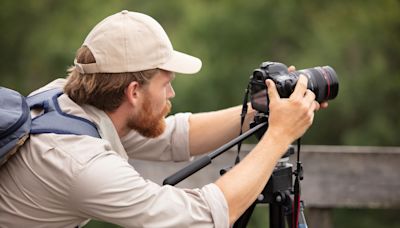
[124, 11]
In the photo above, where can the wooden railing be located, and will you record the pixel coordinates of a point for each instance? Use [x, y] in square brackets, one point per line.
[334, 177]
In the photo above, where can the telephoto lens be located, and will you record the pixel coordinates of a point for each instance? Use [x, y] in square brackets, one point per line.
[322, 81]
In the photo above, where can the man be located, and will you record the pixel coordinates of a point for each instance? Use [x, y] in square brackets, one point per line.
[121, 81]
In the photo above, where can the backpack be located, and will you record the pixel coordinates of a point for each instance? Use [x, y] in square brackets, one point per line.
[16, 124]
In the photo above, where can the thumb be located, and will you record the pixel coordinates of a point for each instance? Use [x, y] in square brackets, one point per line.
[272, 91]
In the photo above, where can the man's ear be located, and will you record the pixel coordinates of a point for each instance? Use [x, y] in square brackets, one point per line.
[133, 92]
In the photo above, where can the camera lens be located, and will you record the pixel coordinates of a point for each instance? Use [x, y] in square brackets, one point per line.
[322, 81]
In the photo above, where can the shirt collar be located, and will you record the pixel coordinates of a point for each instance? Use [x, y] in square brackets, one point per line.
[106, 128]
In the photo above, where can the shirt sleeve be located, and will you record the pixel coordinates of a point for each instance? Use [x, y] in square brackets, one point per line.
[173, 144]
[109, 189]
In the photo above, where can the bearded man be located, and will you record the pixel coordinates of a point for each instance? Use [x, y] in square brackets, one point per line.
[121, 82]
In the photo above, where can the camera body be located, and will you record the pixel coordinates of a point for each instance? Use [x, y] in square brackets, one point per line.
[321, 80]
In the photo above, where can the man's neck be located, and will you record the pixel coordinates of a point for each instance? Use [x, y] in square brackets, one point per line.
[119, 120]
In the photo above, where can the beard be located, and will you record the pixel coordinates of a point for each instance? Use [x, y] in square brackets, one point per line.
[147, 122]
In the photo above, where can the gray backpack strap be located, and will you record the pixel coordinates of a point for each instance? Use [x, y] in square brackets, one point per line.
[54, 120]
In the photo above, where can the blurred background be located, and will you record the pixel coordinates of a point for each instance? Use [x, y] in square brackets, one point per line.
[360, 39]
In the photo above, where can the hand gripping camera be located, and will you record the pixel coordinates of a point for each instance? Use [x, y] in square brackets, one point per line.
[322, 81]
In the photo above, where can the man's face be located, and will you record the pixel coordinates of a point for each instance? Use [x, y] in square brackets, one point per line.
[149, 120]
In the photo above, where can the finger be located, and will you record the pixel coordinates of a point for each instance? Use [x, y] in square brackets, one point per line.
[309, 96]
[272, 92]
[316, 105]
[291, 68]
[311, 116]
[324, 105]
[301, 87]
[313, 108]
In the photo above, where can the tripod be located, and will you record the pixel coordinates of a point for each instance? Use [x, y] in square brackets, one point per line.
[276, 192]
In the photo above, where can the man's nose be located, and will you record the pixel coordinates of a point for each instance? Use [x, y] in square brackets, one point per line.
[170, 92]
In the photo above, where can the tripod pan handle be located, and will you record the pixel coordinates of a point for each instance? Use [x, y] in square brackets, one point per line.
[187, 171]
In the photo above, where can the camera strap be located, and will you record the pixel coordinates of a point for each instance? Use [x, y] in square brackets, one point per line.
[242, 118]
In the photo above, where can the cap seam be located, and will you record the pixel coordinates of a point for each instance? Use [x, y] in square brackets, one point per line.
[125, 41]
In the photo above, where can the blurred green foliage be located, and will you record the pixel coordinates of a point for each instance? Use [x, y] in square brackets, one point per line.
[360, 39]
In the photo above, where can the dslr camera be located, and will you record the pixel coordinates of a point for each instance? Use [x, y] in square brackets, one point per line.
[322, 81]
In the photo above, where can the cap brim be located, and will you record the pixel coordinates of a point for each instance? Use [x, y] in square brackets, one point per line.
[182, 63]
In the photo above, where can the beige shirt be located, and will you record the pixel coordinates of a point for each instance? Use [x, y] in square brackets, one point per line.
[64, 180]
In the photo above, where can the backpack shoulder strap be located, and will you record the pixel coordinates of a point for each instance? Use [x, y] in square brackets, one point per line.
[54, 120]
[15, 122]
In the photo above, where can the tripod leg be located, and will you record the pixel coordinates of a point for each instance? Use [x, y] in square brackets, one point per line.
[280, 210]
[245, 217]
[276, 215]
[289, 211]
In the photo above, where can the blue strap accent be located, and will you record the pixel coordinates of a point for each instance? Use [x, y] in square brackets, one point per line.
[36, 101]
[54, 120]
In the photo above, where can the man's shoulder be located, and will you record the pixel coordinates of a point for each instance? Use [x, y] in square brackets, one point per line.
[57, 83]
[80, 149]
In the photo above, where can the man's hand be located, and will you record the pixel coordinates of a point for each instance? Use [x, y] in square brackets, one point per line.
[289, 118]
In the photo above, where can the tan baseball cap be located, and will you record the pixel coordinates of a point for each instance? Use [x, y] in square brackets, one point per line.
[131, 42]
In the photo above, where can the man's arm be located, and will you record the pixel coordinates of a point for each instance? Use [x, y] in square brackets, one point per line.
[210, 130]
[288, 120]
